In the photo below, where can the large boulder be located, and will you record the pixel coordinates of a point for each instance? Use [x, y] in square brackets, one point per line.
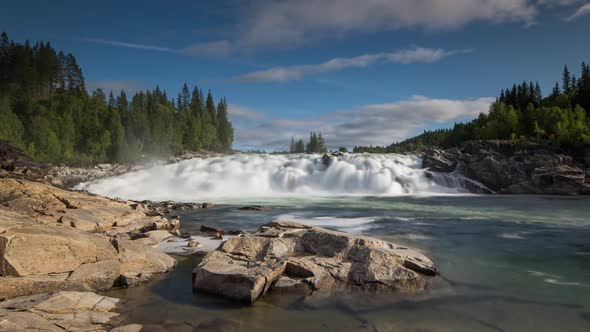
[137, 257]
[30, 249]
[38, 258]
[307, 258]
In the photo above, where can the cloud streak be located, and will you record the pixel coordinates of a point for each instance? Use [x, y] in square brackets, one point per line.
[582, 11]
[297, 72]
[376, 124]
[215, 48]
[127, 45]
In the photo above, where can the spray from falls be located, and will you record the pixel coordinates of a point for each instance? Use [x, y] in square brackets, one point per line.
[248, 175]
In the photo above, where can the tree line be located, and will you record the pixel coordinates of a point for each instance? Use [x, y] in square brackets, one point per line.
[46, 110]
[520, 112]
[316, 144]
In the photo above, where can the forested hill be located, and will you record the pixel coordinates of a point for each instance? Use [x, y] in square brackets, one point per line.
[46, 110]
[519, 112]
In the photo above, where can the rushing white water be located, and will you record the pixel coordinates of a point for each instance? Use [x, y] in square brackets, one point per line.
[256, 175]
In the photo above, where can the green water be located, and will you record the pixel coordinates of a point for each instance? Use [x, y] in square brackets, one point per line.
[508, 263]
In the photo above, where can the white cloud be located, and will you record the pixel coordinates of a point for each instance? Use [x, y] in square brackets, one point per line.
[288, 22]
[584, 10]
[297, 72]
[377, 124]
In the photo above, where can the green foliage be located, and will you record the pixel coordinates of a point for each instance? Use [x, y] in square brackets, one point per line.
[11, 128]
[519, 112]
[343, 149]
[44, 107]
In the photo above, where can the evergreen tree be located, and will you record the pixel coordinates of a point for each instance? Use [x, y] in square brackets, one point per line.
[209, 127]
[566, 81]
[225, 131]
[45, 108]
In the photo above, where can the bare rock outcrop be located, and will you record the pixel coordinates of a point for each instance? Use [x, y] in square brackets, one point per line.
[38, 258]
[292, 255]
[62, 311]
[507, 167]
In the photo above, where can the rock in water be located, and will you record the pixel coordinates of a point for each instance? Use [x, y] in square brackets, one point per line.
[254, 208]
[245, 268]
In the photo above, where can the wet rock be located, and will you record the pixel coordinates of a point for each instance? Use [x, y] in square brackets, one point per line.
[290, 285]
[244, 268]
[212, 230]
[254, 208]
[207, 205]
[192, 243]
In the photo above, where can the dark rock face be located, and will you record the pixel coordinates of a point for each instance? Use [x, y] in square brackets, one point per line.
[295, 257]
[440, 161]
[513, 168]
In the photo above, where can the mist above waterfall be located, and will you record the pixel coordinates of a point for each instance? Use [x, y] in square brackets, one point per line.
[255, 175]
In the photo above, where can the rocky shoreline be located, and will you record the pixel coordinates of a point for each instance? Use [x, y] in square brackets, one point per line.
[59, 247]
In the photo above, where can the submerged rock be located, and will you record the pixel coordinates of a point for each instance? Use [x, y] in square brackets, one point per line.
[313, 258]
[254, 208]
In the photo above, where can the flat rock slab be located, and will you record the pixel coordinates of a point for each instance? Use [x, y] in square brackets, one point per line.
[69, 311]
[289, 255]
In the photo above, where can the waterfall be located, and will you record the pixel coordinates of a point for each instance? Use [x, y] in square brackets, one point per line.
[259, 175]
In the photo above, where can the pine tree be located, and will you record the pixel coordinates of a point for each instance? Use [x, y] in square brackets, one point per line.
[209, 127]
[556, 91]
[225, 132]
[566, 81]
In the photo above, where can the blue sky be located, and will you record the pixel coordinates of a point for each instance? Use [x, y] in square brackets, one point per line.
[362, 72]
